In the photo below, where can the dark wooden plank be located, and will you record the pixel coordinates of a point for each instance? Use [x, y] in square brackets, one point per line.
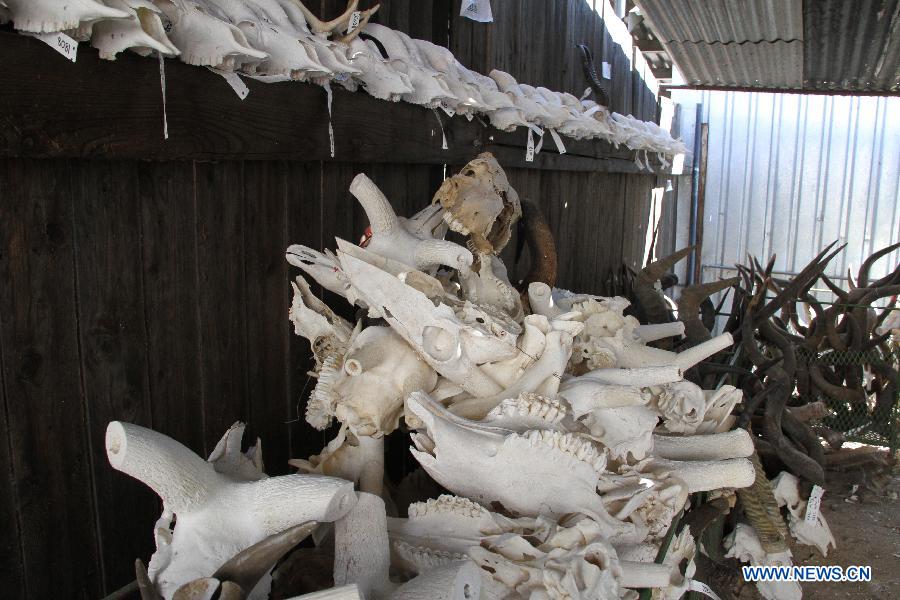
[637, 219]
[12, 576]
[114, 110]
[222, 287]
[304, 226]
[47, 421]
[107, 229]
[266, 309]
[169, 248]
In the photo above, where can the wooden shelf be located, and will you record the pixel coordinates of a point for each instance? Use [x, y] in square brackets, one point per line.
[52, 108]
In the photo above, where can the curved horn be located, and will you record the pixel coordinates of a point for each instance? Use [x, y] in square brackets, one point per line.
[862, 278]
[145, 586]
[247, 567]
[689, 307]
[541, 245]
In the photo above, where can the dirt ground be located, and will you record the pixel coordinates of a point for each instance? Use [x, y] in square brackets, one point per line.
[862, 508]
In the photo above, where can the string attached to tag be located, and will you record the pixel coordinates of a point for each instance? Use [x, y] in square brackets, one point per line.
[637, 160]
[328, 99]
[162, 85]
[558, 141]
[437, 116]
[662, 159]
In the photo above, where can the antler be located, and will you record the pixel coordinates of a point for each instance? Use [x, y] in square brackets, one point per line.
[339, 25]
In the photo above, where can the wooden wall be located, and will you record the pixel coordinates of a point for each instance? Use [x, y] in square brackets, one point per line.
[157, 292]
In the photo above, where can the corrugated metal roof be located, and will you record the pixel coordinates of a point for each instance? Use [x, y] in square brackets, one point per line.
[852, 45]
[835, 45]
[777, 64]
[724, 21]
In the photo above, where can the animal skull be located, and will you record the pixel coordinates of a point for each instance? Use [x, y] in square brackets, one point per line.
[480, 203]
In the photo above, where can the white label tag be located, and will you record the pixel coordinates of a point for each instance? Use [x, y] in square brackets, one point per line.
[354, 21]
[437, 116]
[237, 84]
[558, 141]
[59, 42]
[812, 507]
[529, 149]
[606, 69]
[328, 99]
[540, 142]
[699, 586]
[477, 10]
[162, 86]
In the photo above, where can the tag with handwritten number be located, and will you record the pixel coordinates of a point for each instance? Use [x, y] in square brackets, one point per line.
[814, 504]
[354, 21]
[529, 149]
[477, 10]
[60, 42]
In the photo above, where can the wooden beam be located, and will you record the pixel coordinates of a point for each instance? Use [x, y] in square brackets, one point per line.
[51, 108]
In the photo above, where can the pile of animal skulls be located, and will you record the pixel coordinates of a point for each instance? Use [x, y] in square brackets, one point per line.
[564, 471]
[276, 40]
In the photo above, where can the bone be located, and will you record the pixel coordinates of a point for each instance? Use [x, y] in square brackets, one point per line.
[361, 547]
[658, 331]
[456, 581]
[717, 446]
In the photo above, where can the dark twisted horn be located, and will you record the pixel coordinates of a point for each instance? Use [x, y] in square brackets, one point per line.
[247, 567]
[689, 308]
[862, 278]
[649, 300]
[541, 245]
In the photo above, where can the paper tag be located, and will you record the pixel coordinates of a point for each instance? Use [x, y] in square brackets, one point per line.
[529, 149]
[699, 586]
[558, 141]
[162, 86]
[813, 505]
[59, 42]
[437, 116]
[540, 142]
[354, 21]
[328, 99]
[477, 10]
[237, 84]
[606, 70]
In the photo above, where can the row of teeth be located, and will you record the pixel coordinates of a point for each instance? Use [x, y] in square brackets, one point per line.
[530, 404]
[323, 399]
[446, 504]
[569, 443]
[425, 558]
[455, 224]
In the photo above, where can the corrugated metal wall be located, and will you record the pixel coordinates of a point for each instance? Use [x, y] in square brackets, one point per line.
[788, 173]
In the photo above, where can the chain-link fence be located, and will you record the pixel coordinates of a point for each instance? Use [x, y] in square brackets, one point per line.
[870, 417]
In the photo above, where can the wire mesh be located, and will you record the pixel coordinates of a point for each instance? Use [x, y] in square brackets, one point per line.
[869, 420]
